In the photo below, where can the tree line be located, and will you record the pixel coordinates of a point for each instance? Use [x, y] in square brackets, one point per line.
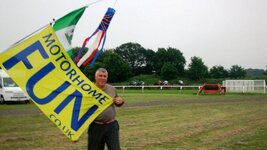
[131, 59]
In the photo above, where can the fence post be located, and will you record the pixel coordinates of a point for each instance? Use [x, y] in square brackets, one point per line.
[143, 89]
[123, 87]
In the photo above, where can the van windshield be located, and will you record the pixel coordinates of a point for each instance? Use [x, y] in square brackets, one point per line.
[8, 82]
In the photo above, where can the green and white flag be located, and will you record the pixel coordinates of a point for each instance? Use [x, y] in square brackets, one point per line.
[65, 26]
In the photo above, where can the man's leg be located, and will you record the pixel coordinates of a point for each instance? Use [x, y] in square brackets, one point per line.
[112, 140]
[96, 137]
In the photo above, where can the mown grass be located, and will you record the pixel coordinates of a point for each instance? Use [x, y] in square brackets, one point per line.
[155, 121]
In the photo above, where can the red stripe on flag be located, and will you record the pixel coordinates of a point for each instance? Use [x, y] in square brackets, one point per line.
[90, 58]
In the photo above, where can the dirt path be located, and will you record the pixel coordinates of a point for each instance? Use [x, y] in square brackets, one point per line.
[36, 111]
[7, 113]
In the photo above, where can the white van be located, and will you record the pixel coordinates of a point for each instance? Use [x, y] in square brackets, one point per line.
[9, 90]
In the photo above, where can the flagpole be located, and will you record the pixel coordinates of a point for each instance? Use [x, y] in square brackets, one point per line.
[94, 2]
[114, 3]
[19, 41]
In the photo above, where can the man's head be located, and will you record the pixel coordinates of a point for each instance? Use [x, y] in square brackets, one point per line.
[101, 77]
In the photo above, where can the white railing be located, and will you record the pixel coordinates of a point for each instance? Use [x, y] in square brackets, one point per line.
[246, 89]
[161, 87]
[180, 87]
[245, 86]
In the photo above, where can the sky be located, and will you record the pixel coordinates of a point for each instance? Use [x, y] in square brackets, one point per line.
[220, 32]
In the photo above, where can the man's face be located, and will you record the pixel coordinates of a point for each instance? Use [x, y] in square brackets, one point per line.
[101, 78]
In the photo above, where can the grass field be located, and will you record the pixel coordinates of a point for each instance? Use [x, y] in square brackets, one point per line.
[153, 121]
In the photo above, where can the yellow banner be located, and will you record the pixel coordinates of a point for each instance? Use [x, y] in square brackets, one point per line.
[42, 68]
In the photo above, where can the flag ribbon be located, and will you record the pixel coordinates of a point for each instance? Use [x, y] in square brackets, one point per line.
[93, 52]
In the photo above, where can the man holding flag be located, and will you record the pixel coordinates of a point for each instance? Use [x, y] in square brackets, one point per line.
[40, 65]
[105, 128]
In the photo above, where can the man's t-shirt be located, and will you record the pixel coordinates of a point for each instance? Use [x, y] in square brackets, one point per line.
[109, 113]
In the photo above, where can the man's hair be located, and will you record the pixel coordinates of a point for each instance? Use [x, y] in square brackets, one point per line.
[101, 70]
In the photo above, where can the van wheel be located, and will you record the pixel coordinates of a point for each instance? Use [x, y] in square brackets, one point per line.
[27, 101]
[2, 100]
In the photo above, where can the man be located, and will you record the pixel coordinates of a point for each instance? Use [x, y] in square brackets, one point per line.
[105, 128]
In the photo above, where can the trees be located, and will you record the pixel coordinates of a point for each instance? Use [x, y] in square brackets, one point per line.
[197, 70]
[237, 72]
[144, 61]
[131, 59]
[149, 66]
[254, 72]
[218, 72]
[168, 71]
[172, 56]
[117, 68]
[133, 54]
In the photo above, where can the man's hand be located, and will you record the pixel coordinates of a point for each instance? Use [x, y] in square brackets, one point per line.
[118, 101]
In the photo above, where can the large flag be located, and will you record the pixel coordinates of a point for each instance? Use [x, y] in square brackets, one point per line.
[100, 33]
[65, 27]
[41, 67]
